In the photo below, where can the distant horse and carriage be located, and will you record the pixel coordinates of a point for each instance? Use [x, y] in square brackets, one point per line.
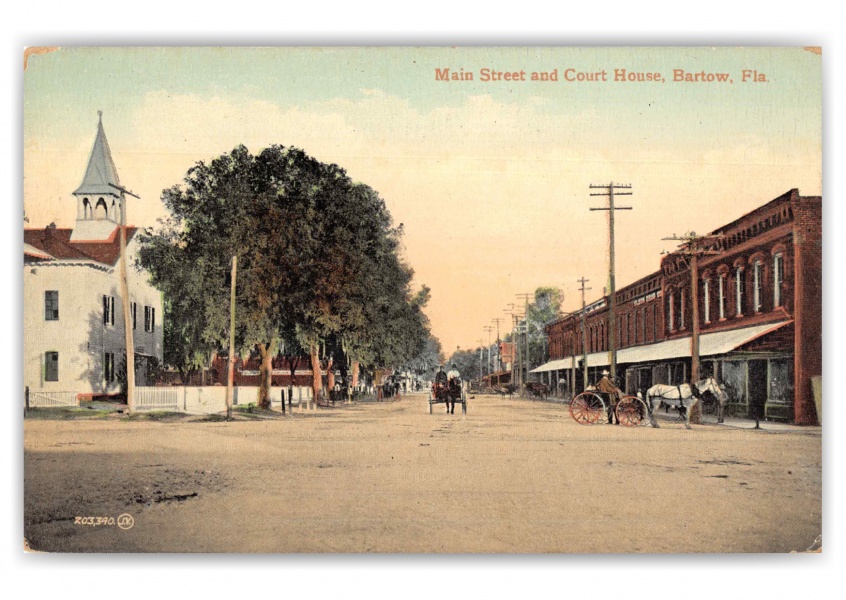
[591, 406]
[449, 392]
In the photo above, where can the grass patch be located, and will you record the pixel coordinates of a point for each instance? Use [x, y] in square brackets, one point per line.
[68, 414]
[155, 415]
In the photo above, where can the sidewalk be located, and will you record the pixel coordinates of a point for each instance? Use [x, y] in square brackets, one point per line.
[774, 426]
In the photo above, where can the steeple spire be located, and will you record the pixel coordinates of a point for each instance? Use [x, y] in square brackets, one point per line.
[101, 169]
[99, 198]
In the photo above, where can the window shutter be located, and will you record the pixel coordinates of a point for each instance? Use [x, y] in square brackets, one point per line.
[105, 310]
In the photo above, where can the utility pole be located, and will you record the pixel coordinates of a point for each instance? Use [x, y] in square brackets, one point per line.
[481, 371]
[124, 290]
[526, 296]
[230, 378]
[583, 289]
[693, 246]
[511, 309]
[489, 328]
[612, 305]
[498, 353]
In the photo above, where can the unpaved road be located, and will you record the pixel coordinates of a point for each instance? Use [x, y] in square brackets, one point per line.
[513, 476]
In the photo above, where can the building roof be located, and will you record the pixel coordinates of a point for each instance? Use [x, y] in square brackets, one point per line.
[33, 252]
[56, 244]
[101, 173]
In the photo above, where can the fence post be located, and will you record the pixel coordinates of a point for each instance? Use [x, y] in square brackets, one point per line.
[26, 401]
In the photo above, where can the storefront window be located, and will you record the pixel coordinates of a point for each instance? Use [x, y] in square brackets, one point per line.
[734, 380]
[781, 381]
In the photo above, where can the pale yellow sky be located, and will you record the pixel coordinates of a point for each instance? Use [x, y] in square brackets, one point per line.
[490, 180]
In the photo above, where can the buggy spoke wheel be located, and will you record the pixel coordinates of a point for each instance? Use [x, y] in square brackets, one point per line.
[587, 408]
[631, 411]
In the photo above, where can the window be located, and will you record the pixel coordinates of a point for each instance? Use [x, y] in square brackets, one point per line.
[670, 310]
[109, 367]
[636, 326]
[706, 291]
[51, 366]
[108, 310]
[134, 308]
[738, 290]
[722, 295]
[51, 305]
[149, 318]
[778, 278]
[758, 282]
[681, 309]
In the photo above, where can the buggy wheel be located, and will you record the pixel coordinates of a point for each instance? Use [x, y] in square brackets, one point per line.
[631, 411]
[430, 403]
[587, 408]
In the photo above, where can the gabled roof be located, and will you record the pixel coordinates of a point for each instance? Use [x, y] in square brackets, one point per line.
[57, 244]
[101, 169]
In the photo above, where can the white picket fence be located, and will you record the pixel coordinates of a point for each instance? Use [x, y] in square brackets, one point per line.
[156, 398]
[207, 399]
[52, 399]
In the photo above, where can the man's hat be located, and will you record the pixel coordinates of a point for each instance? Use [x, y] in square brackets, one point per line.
[453, 364]
[606, 373]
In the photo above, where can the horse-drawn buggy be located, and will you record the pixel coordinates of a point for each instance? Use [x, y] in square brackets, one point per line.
[449, 392]
[591, 406]
[537, 390]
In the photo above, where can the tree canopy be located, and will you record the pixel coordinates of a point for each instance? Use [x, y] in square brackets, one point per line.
[318, 263]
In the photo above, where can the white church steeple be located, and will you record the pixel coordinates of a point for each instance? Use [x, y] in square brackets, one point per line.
[98, 198]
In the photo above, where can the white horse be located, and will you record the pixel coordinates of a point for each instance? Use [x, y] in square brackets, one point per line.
[684, 397]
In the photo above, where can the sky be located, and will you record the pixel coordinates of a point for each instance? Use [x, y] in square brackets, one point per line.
[489, 178]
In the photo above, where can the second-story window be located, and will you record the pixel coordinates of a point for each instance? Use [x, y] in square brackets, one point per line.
[149, 318]
[778, 278]
[757, 284]
[739, 282]
[51, 305]
[721, 292]
[134, 310]
[670, 311]
[108, 310]
[706, 296]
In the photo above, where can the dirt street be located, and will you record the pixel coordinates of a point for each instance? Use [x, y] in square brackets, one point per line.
[511, 476]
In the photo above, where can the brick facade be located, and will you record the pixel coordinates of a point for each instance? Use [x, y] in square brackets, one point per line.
[767, 269]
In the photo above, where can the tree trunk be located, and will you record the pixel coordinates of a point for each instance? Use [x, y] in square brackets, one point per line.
[316, 379]
[330, 378]
[354, 373]
[292, 365]
[265, 374]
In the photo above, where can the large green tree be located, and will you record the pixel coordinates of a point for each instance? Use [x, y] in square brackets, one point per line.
[315, 252]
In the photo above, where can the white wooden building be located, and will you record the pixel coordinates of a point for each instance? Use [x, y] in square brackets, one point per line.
[73, 314]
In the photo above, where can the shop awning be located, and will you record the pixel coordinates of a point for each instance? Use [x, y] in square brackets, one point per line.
[554, 365]
[710, 344]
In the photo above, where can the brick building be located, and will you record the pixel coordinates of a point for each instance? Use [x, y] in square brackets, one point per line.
[760, 312]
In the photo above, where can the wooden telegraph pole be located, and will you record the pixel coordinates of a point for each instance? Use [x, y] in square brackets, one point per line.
[489, 328]
[498, 353]
[230, 377]
[583, 289]
[693, 246]
[124, 291]
[525, 296]
[612, 304]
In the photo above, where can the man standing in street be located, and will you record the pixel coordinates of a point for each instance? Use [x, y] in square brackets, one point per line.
[612, 392]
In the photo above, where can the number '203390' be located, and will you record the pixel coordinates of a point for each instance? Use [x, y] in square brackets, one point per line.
[94, 521]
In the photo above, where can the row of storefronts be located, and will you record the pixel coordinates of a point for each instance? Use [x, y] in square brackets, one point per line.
[760, 318]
